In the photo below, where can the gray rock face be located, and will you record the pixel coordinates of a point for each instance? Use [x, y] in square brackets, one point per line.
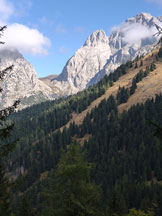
[22, 82]
[98, 56]
[85, 63]
[101, 54]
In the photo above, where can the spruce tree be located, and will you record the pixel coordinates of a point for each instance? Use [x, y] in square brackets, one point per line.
[141, 63]
[25, 209]
[160, 53]
[5, 147]
[72, 193]
[136, 65]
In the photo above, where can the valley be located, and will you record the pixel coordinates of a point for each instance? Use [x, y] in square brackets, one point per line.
[121, 144]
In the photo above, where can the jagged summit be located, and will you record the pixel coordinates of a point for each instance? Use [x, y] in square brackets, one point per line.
[101, 54]
[143, 16]
[98, 56]
[145, 19]
[10, 53]
[97, 38]
[86, 62]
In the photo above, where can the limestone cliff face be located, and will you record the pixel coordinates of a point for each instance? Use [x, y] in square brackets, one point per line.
[85, 63]
[22, 82]
[98, 56]
[101, 54]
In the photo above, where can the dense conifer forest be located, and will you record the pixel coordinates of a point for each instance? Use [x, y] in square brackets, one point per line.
[122, 152]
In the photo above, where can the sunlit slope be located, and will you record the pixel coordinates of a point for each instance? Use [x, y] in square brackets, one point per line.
[147, 88]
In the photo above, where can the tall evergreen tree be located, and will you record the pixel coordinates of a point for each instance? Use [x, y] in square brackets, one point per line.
[25, 209]
[5, 147]
[160, 53]
[72, 193]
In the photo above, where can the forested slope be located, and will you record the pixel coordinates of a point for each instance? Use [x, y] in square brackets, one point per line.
[127, 155]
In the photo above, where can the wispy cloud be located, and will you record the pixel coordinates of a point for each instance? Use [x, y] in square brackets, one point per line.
[63, 50]
[61, 29]
[155, 1]
[22, 37]
[25, 39]
[133, 32]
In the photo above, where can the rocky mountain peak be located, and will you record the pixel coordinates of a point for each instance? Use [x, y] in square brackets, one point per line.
[22, 82]
[86, 62]
[98, 56]
[101, 54]
[145, 19]
[10, 54]
[97, 38]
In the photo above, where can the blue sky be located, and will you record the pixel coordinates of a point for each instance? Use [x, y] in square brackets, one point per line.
[49, 32]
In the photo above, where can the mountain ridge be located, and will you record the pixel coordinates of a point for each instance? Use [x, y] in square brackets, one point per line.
[22, 81]
[99, 56]
[148, 88]
[87, 66]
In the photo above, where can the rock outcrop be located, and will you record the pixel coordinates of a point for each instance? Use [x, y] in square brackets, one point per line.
[21, 82]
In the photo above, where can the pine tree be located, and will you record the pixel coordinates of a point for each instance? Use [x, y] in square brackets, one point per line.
[141, 63]
[5, 148]
[160, 53]
[153, 66]
[134, 212]
[72, 192]
[25, 209]
[115, 208]
[136, 65]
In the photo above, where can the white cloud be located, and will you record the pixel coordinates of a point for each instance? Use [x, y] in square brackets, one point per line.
[25, 39]
[6, 10]
[134, 32]
[155, 1]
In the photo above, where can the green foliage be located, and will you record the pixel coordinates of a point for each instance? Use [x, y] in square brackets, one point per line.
[147, 71]
[24, 208]
[122, 95]
[134, 212]
[129, 64]
[141, 63]
[122, 146]
[72, 192]
[153, 66]
[136, 65]
[116, 206]
[126, 154]
[6, 147]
